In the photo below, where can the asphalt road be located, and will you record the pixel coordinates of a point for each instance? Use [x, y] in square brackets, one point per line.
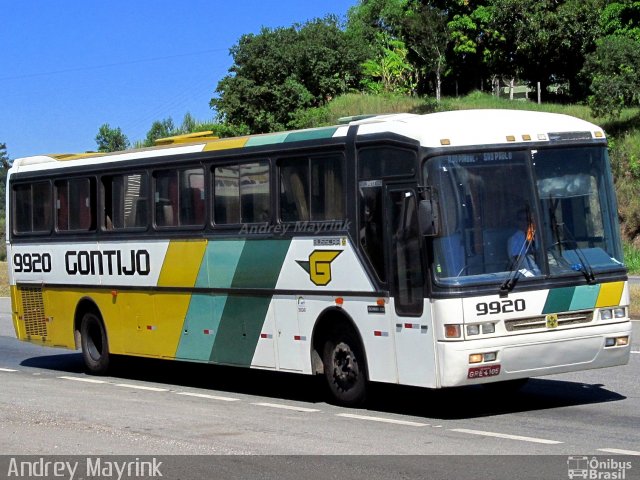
[148, 407]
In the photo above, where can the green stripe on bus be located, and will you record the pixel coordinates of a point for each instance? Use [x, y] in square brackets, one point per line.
[585, 297]
[242, 322]
[260, 263]
[268, 139]
[219, 263]
[558, 300]
[259, 266]
[316, 134]
[201, 327]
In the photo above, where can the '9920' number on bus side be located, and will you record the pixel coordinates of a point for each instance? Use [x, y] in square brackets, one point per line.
[31, 262]
[504, 306]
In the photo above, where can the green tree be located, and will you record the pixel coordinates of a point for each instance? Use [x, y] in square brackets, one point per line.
[473, 42]
[425, 32]
[111, 139]
[621, 19]
[189, 124]
[280, 71]
[389, 70]
[546, 41]
[613, 69]
[160, 129]
[615, 72]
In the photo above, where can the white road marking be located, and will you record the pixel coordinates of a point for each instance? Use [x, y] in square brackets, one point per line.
[286, 407]
[382, 419]
[80, 379]
[504, 435]
[141, 387]
[7, 370]
[210, 397]
[618, 451]
[635, 351]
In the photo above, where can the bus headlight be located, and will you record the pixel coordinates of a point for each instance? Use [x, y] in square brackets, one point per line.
[473, 330]
[606, 314]
[488, 328]
[620, 312]
[611, 313]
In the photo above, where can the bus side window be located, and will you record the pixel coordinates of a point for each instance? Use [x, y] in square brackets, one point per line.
[294, 190]
[311, 188]
[254, 193]
[241, 193]
[125, 201]
[76, 205]
[192, 197]
[166, 198]
[371, 225]
[32, 208]
[226, 194]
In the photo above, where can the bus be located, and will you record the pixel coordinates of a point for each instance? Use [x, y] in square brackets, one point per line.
[439, 250]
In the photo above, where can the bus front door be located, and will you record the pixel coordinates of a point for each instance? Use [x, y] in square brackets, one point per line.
[414, 342]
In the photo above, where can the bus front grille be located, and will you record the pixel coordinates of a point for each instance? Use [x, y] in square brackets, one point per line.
[33, 311]
[571, 318]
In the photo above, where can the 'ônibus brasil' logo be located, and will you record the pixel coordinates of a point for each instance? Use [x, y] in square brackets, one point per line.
[319, 266]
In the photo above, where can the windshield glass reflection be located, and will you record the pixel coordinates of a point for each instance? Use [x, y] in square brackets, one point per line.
[493, 228]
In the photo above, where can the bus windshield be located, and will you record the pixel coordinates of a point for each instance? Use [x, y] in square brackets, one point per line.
[532, 213]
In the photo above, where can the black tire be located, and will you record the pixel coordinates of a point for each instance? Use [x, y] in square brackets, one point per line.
[344, 368]
[95, 347]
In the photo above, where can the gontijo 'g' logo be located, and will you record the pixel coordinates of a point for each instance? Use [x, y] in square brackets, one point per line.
[319, 266]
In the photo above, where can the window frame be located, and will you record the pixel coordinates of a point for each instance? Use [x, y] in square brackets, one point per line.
[14, 204]
[310, 157]
[212, 196]
[93, 207]
[145, 174]
[177, 170]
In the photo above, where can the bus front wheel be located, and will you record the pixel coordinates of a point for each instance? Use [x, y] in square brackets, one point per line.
[344, 368]
[95, 348]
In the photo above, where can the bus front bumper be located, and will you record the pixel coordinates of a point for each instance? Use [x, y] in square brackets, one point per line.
[532, 355]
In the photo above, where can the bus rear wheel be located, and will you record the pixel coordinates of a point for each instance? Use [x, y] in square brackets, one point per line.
[95, 347]
[344, 368]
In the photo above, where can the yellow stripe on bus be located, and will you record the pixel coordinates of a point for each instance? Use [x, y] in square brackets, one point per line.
[225, 144]
[610, 294]
[182, 263]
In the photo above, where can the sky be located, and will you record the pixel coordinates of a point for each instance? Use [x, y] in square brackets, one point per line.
[69, 66]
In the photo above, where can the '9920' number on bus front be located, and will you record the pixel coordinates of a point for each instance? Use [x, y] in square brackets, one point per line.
[504, 306]
[31, 262]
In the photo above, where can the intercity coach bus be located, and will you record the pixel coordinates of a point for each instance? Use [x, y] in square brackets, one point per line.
[439, 250]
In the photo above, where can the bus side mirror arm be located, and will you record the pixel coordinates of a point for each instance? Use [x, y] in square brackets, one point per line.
[429, 214]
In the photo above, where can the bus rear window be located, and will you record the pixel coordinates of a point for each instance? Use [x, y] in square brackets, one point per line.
[32, 208]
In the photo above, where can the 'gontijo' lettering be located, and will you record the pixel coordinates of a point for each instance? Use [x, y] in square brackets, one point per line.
[109, 262]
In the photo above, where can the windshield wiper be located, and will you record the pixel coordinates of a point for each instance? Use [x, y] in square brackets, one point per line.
[584, 266]
[510, 282]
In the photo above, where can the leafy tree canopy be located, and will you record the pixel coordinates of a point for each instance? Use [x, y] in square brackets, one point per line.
[280, 71]
[111, 139]
[615, 72]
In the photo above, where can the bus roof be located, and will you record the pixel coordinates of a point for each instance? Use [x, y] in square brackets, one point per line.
[457, 128]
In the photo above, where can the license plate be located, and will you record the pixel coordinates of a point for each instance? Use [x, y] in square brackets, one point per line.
[482, 372]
